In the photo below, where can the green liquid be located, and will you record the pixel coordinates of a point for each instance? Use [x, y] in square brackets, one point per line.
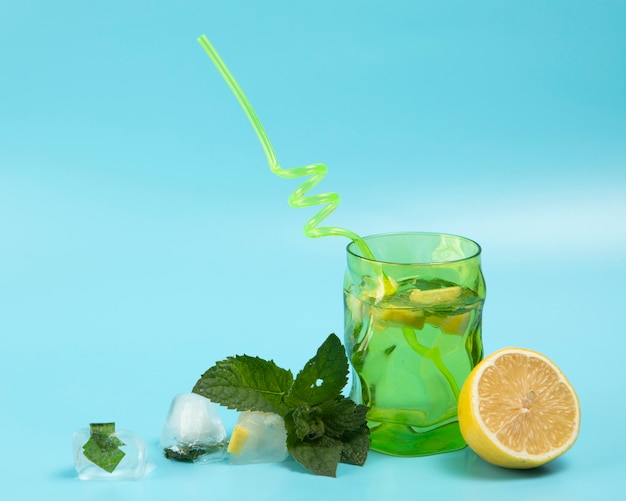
[411, 353]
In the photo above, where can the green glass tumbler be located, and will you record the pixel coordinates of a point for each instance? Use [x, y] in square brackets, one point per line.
[413, 334]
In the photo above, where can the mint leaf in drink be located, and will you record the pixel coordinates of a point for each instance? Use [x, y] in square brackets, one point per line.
[246, 384]
[103, 447]
[323, 427]
[323, 377]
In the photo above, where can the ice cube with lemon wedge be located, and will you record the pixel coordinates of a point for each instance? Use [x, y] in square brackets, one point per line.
[258, 437]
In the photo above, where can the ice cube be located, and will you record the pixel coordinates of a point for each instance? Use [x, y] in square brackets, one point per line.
[354, 306]
[258, 437]
[193, 430]
[391, 316]
[377, 287]
[129, 447]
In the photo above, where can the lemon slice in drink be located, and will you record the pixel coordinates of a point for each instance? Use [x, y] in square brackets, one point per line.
[456, 324]
[435, 296]
[517, 409]
[397, 317]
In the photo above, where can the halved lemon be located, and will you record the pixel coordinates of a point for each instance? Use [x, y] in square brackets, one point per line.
[517, 409]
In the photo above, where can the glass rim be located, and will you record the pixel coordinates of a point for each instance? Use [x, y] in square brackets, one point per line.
[352, 245]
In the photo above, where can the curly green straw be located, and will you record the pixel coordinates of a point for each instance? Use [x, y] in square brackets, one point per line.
[297, 199]
[317, 172]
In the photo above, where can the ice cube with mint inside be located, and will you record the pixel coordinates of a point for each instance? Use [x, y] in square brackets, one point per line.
[193, 430]
[103, 453]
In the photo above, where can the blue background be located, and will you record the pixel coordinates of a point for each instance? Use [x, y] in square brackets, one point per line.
[143, 236]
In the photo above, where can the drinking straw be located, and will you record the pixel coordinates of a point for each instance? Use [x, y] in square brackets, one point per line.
[317, 172]
[297, 199]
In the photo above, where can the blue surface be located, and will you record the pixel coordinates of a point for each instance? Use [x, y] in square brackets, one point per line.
[144, 238]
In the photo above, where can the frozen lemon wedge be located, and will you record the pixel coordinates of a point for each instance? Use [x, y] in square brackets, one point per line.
[238, 439]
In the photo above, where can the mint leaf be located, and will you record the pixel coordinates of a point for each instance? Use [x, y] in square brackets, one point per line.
[246, 384]
[342, 415]
[308, 422]
[102, 448]
[321, 456]
[190, 453]
[323, 377]
[356, 444]
[341, 420]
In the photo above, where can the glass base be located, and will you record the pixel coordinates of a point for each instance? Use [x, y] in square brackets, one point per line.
[401, 440]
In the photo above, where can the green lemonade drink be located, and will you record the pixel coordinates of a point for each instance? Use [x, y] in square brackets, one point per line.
[413, 334]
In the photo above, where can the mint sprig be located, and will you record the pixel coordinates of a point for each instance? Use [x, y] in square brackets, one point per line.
[323, 427]
[103, 447]
[246, 383]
